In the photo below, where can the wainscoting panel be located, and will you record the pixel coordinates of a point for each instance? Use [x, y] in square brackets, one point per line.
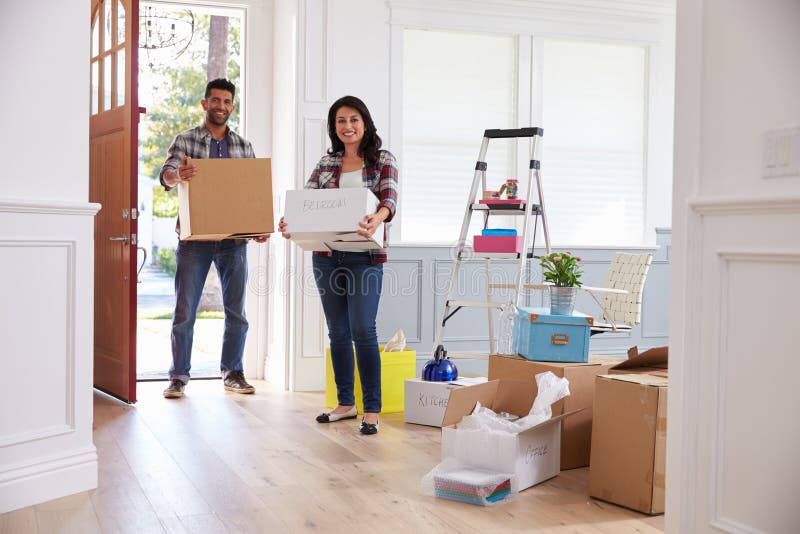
[47, 317]
[42, 275]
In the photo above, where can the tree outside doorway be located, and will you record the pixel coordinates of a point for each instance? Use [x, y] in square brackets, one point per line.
[180, 50]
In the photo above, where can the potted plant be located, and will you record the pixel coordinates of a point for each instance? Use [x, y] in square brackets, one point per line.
[563, 271]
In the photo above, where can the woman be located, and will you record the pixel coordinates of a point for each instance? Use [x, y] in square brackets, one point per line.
[349, 282]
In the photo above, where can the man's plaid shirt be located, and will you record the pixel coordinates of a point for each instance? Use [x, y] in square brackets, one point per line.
[380, 178]
[196, 143]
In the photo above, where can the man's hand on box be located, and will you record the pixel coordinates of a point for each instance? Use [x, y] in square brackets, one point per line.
[282, 229]
[184, 173]
[371, 222]
[261, 238]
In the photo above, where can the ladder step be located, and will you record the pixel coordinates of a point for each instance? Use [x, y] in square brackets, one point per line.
[505, 209]
[473, 304]
[489, 255]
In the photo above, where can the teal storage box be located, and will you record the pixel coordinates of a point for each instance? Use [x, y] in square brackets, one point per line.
[542, 337]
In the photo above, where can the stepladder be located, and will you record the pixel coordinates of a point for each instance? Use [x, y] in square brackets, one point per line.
[529, 205]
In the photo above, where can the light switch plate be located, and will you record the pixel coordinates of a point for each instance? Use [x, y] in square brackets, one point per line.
[781, 156]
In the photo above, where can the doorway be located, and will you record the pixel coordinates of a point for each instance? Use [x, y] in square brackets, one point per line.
[180, 49]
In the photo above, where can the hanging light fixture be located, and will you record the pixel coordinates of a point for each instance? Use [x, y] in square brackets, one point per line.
[161, 29]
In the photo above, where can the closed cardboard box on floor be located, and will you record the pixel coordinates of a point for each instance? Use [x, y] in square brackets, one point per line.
[229, 197]
[576, 431]
[629, 437]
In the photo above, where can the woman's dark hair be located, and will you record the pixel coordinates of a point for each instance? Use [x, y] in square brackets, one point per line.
[370, 143]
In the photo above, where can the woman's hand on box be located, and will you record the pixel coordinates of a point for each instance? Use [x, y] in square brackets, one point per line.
[370, 222]
[261, 238]
[282, 229]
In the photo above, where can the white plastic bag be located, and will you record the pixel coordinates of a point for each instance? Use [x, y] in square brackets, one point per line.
[397, 343]
[551, 389]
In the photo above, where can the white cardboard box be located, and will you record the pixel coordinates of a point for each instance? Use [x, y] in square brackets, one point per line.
[425, 402]
[327, 219]
[533, 456]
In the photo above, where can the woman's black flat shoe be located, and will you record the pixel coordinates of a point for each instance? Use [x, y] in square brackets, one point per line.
[352, 413]
[368, 428]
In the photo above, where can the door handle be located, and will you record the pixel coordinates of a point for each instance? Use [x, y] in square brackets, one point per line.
[123, 238]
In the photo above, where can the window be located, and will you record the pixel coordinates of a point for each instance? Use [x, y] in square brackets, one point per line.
[592, 107]
[593, 102]
[455, 85]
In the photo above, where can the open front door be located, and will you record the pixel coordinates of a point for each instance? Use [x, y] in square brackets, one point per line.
[113, 139]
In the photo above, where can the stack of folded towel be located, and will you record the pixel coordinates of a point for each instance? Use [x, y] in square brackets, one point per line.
[473, 486]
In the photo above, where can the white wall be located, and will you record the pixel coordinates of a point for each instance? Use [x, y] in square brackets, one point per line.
[46, 254]
[43, 54]
[355, 47]
[733, 428]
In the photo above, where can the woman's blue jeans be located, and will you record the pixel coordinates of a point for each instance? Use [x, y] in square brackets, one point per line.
[194, 261]
[350, 288]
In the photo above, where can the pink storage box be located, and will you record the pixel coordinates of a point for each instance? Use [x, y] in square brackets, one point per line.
[497, 243]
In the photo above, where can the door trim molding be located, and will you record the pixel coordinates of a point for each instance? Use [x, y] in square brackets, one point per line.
[744, 206]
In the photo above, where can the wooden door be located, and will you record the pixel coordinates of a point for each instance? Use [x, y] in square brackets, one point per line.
[113, 139]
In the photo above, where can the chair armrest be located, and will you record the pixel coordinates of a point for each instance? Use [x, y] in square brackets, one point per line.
[605, 290]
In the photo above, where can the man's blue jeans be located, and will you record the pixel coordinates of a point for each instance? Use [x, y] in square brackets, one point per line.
[350, 289]
[194, 260]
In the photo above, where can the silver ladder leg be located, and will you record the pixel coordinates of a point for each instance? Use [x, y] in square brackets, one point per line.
[478, 177]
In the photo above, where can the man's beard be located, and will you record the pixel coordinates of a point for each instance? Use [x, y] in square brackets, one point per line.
[213, 119]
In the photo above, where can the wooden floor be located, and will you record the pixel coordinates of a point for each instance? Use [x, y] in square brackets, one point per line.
[219, 462]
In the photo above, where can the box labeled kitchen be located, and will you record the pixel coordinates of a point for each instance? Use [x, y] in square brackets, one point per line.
[426, 401]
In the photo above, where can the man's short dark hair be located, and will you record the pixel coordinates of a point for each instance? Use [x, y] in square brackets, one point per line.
[221, 83]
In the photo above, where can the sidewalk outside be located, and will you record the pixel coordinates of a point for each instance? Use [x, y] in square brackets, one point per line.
[156, 297]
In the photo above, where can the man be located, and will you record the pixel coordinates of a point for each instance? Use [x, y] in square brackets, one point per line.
[212, 139]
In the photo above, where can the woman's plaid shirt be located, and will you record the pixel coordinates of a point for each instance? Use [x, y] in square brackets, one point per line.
[380, 178]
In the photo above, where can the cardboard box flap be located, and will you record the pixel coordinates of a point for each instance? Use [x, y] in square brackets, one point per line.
[514, 397]
[594, 361]
[650, 359]
[552, 420]
[645, 379]
[462, 400]
[498, 395]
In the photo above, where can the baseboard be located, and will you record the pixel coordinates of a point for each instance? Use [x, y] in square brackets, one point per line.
[50, 479]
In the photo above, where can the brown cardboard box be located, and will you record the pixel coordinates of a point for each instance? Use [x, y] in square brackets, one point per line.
[629, 439]
[228, 198]
[576, 432]
[653, 361]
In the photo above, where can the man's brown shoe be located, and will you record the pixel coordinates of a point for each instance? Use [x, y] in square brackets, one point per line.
[234, 381]
[175, 389]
